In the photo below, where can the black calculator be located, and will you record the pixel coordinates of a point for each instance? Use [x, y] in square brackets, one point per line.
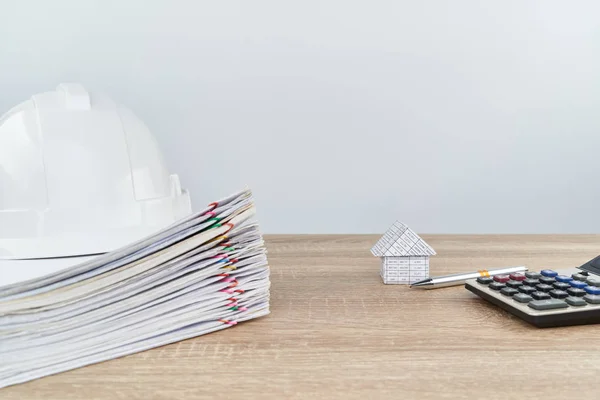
[546, 298]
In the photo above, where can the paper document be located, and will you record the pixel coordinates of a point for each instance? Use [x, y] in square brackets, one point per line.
[207, 272]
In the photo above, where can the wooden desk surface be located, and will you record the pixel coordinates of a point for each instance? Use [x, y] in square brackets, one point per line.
[335, 331]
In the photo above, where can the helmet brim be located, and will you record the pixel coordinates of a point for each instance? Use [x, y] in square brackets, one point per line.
[16, 271]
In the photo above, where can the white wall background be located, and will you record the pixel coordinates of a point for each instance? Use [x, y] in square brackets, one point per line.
[452, 116]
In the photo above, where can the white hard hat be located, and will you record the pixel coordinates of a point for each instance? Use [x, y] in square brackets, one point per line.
[80, 175]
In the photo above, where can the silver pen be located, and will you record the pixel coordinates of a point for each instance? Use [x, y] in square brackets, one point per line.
[458, 279]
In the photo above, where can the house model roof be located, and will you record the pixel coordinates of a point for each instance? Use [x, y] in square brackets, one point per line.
[401, 241]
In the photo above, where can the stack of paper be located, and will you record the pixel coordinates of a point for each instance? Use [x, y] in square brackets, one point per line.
[202, 274]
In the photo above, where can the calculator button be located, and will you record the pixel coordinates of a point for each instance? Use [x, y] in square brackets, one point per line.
[576, 292]
[576, 301]
[547, 280]
[531, 282]
[485, 280]
[579, 277]
[540, 295]
[549, 273]
[524, 298]
[527, 289]
[592, 298]
[514, 284]
[517, 276]
[559, 294]
[508, 291]
[533, 275]
[561, 285]
[592, 290]
[593, 281]
[578, 284]
[497, 285]
[542, 287]
[563, 278]
[547, 304]
[501, 278]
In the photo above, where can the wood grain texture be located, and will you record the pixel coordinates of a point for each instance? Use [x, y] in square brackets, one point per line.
[335, 331]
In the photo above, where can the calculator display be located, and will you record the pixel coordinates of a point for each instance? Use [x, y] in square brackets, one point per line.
[592, 266]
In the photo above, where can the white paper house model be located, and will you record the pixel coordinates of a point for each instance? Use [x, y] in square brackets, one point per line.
[404, 255]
